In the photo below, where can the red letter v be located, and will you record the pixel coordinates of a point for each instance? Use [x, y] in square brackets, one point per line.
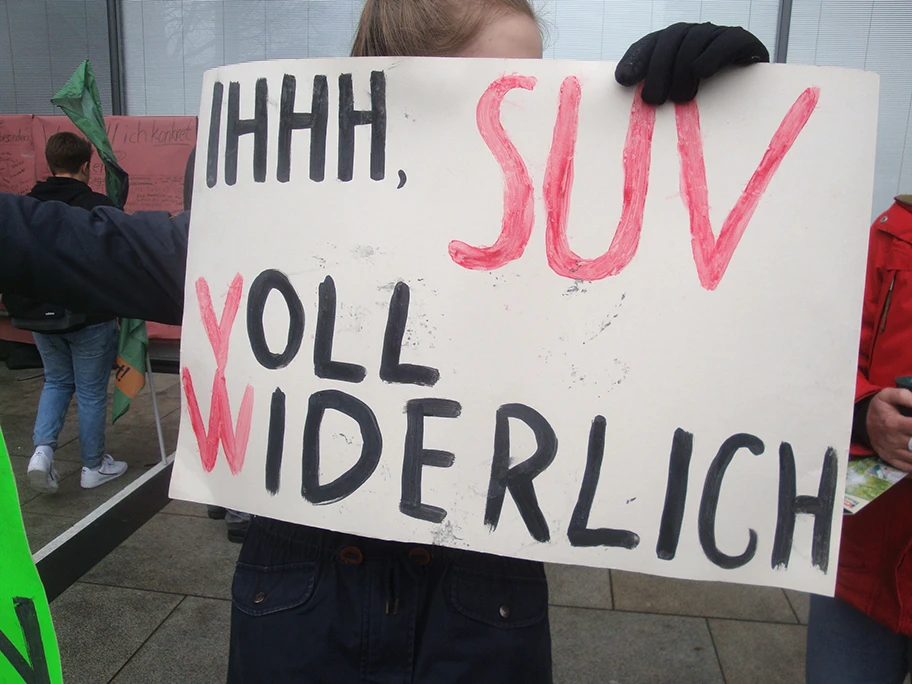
[219, 333]
[712, 256]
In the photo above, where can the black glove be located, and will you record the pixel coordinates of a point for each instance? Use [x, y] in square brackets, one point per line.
[672, 61]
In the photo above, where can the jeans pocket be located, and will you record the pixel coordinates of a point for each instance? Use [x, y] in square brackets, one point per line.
[498, 599]
[95, 342]
[259, 590]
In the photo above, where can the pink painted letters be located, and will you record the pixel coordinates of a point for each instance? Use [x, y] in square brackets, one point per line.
[711, 255]
[519, 195]
[558, 189]
[233, 440]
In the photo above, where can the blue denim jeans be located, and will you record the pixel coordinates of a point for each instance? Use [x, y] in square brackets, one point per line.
[845, 646]
[77, 362]
[314, 606]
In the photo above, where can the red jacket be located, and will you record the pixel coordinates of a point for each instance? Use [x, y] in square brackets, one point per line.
[875, 559]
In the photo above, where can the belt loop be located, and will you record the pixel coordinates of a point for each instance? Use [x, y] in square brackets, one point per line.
[351, 555]
[420, 556]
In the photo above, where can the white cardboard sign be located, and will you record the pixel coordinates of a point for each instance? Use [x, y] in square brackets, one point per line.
[504, 306]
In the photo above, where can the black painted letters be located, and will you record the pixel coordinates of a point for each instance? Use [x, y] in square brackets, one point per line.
[349, 118]
[265, 283]
[324, 366]
[390, 368]
[290, 120]
[416, 456]
[706, 523]
[790, 505]
[236, 127]
[578, 533]
[518, 479]
[675, 495]
[315, 120]
[371, 447]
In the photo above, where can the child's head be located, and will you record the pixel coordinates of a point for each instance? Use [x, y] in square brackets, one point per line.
[448, 28]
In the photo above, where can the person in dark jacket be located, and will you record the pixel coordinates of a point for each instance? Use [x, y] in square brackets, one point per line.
[77, 349]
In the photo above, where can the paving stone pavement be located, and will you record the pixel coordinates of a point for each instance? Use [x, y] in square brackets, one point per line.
[157, 608]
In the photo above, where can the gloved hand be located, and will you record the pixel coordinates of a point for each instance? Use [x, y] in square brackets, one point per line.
[672, 61]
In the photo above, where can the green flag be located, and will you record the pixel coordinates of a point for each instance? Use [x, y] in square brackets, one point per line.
[28, 645]
[80, 101]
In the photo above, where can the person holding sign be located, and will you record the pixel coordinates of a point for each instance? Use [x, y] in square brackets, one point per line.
[308, 601]
[863, 634]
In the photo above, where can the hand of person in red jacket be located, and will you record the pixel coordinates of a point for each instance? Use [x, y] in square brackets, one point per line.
[890, 431]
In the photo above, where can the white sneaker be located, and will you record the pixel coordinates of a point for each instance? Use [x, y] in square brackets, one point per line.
[42, 475]
[108, 470]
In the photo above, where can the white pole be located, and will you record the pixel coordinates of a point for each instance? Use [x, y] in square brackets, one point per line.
[158, 423]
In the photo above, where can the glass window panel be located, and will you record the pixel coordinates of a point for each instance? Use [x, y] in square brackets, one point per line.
[874, 36]
[41, 44]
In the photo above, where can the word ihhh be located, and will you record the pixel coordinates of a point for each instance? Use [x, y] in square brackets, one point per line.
[290, 120]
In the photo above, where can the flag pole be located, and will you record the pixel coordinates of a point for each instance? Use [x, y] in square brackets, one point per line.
[158, 423]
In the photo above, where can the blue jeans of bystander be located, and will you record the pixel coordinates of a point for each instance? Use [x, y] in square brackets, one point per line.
[77, 362]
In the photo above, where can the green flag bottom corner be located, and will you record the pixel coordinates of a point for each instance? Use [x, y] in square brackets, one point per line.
[130, 374]
[28, 645]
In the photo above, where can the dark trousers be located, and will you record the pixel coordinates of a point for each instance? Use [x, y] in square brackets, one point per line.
[845, 646]
[317, 606]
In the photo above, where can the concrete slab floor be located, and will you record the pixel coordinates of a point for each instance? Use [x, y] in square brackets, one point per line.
[650, 594]
[100, 628]
[167, 655]
[602, 646]
[579, 587]
[753, 652]
[173, 553]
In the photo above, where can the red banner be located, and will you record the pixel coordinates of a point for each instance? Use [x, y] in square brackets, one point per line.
[152, 149]
[17, 154]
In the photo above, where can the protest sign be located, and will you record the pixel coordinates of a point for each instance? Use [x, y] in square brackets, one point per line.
[506, 306]
[28, 646]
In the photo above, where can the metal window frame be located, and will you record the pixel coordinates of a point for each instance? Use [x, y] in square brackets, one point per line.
[115, 48]
[115, 52]
[783, 26]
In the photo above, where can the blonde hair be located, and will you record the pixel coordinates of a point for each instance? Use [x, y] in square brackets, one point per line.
[427, 28]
